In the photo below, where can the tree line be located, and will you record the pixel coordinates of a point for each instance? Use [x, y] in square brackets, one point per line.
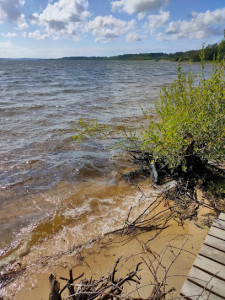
[210, 52]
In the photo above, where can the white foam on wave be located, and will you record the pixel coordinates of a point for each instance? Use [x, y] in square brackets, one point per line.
[78, 211]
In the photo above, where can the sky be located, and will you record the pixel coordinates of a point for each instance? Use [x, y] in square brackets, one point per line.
[59, 28]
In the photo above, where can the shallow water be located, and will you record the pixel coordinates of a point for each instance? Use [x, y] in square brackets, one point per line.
[48, 184]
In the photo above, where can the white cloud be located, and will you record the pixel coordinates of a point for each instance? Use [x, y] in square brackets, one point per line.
[10, 34]
[2, 15]
[22, 24]
[157, 21]
[9, 9]
[9, 50]
[137, 6]
[63, 18]
[22, 2]
[37, 35]
[201, 25]
[109, 28]
[133, 37]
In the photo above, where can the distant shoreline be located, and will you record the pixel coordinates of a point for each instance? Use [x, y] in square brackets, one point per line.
[210, 53]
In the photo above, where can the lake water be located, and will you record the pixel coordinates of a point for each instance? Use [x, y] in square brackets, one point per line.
[50, 186]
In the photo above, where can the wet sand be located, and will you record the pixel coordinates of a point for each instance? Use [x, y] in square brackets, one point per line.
[100, 258]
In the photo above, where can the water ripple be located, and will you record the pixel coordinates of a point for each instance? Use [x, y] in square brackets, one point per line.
[40, 103]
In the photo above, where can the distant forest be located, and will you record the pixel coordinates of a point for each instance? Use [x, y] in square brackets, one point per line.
[210, 52]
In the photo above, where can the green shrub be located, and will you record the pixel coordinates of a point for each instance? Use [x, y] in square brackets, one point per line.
[87, 129]
[189, 120]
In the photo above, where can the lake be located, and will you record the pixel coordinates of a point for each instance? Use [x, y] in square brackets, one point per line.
[50, 187]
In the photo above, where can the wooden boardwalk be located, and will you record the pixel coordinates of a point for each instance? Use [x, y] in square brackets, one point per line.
[206, 279]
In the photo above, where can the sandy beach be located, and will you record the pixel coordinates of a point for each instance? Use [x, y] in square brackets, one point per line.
[175, 243]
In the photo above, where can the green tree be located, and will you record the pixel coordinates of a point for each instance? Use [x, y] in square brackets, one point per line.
[195, 57]
[189, 121]
[211, 52]
[221, 50]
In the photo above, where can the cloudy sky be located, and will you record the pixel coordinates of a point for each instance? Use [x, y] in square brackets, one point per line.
[57, 28]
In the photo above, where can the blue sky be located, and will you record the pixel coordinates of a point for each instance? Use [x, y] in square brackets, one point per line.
[57, 28]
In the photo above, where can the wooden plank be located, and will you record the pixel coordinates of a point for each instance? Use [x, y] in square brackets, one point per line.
[206, 280]
[210, 266]
[219, 224]
[212, 253]
[215, 243]
[207, 275]
[222, 216]
[218, 233]
[194, 291]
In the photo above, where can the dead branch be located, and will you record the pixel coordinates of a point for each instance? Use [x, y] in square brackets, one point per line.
[112, 286]
[54, 288]
[103, 288]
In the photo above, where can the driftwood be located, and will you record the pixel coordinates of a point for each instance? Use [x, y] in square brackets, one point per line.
[112, 286]
[155, 175]
[54, 288]
[104, 288]
[208, 176]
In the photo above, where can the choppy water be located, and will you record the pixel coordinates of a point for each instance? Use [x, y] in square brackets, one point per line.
[48, 184]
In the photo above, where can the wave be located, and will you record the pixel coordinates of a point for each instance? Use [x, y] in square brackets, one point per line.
[71, 91]
[77, 219]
